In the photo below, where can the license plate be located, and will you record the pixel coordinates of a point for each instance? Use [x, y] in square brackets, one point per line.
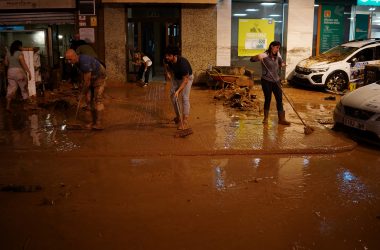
[354, 124]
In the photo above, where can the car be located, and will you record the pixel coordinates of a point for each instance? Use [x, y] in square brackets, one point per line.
[359, 111]
[336, 68]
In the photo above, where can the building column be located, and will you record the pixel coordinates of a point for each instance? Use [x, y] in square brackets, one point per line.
[299, 39]
[115, 43]
[223, 47]
[198, 33]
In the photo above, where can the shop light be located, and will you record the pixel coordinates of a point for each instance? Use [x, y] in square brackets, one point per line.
[238, 14]
[372, 9]
[316, 5]
[278, 21]
[252, 10]
[274, 15]
[268, 4]
[60, 37]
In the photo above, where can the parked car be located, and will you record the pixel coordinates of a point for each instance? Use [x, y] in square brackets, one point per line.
[339, 66]
[360, 110]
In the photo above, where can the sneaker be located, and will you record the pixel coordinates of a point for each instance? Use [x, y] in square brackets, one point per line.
[145, 85]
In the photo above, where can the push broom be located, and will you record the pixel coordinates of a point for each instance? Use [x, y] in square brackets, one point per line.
[75, 125]
[307, 129]
[183, 132]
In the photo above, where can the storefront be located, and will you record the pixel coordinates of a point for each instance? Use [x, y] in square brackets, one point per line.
[254, 25]
[45, 24]
[150, 26]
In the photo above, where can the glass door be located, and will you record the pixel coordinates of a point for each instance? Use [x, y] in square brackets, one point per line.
[151, 30]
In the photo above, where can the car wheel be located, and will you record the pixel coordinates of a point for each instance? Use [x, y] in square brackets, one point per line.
[337, 82]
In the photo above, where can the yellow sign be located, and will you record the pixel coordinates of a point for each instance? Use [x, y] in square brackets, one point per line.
[255, 35]
[93, 21]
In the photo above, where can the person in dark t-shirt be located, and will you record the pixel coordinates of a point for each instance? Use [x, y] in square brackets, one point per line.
[181, 75]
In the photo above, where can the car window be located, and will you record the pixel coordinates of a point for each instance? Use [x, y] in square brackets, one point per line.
[377, 55]
[363, 55]
[341, 51]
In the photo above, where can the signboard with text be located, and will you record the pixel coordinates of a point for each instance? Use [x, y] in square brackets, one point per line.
[255, 35]
[362, 26]
[332, 27]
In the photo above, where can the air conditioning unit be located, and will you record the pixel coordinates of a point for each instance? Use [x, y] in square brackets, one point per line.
[87, 8]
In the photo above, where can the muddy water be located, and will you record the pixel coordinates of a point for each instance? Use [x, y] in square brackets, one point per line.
[130, 200]
[245, 202]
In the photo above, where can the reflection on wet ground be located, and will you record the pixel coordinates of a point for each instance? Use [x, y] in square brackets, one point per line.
[269, 202]
[42, 129]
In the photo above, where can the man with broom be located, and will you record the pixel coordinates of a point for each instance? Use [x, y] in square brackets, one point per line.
[94, 77]
[181, 75]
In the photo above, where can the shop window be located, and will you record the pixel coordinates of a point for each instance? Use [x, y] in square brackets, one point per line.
[254, 26]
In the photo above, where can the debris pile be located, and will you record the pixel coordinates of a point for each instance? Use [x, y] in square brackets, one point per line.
[237, 97]
[236, 84]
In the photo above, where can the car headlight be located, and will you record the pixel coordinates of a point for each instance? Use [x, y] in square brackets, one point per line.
[319, 70]
[339, 107]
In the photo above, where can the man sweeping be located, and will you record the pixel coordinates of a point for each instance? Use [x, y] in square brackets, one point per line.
[181, 75]
[94, 77]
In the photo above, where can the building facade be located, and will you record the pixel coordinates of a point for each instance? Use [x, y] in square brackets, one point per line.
[209, 32]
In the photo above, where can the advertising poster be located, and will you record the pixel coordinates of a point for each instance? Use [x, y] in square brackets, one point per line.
[361, 26]
[332, 27]
[255, 35]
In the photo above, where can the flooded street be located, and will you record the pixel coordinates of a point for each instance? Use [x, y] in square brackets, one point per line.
[266, 202]
[233, 184]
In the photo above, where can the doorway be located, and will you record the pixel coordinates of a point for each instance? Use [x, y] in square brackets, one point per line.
[151, 30]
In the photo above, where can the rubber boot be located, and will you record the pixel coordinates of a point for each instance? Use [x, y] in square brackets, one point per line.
[266, 116]
[99, 121]
[176, 120]
[281, 119]
[93, 120]
[8, 108]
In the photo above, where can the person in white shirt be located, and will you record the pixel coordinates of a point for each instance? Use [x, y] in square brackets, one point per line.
[145, 67]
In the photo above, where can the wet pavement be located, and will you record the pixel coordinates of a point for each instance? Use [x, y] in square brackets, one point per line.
[233, 184]
[138, 121]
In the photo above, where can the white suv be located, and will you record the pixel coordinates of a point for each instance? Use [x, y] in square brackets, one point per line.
[339, 66]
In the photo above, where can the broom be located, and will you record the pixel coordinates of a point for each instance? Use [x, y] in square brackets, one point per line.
[184, 132]
[75, 125]
[307, 129]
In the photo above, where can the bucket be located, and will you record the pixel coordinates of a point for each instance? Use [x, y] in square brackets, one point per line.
[352, 86]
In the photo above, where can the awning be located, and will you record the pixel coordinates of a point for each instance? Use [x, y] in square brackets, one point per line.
[37, 18]
[163, 1]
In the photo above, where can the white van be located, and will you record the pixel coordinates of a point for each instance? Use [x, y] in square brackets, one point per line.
[339, 66]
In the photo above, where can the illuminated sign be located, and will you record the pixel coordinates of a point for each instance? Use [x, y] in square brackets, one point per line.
[369, 2]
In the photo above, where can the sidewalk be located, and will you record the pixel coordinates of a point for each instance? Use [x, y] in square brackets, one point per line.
[139, 123]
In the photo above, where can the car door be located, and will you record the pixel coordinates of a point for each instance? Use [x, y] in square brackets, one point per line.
[358, 61]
